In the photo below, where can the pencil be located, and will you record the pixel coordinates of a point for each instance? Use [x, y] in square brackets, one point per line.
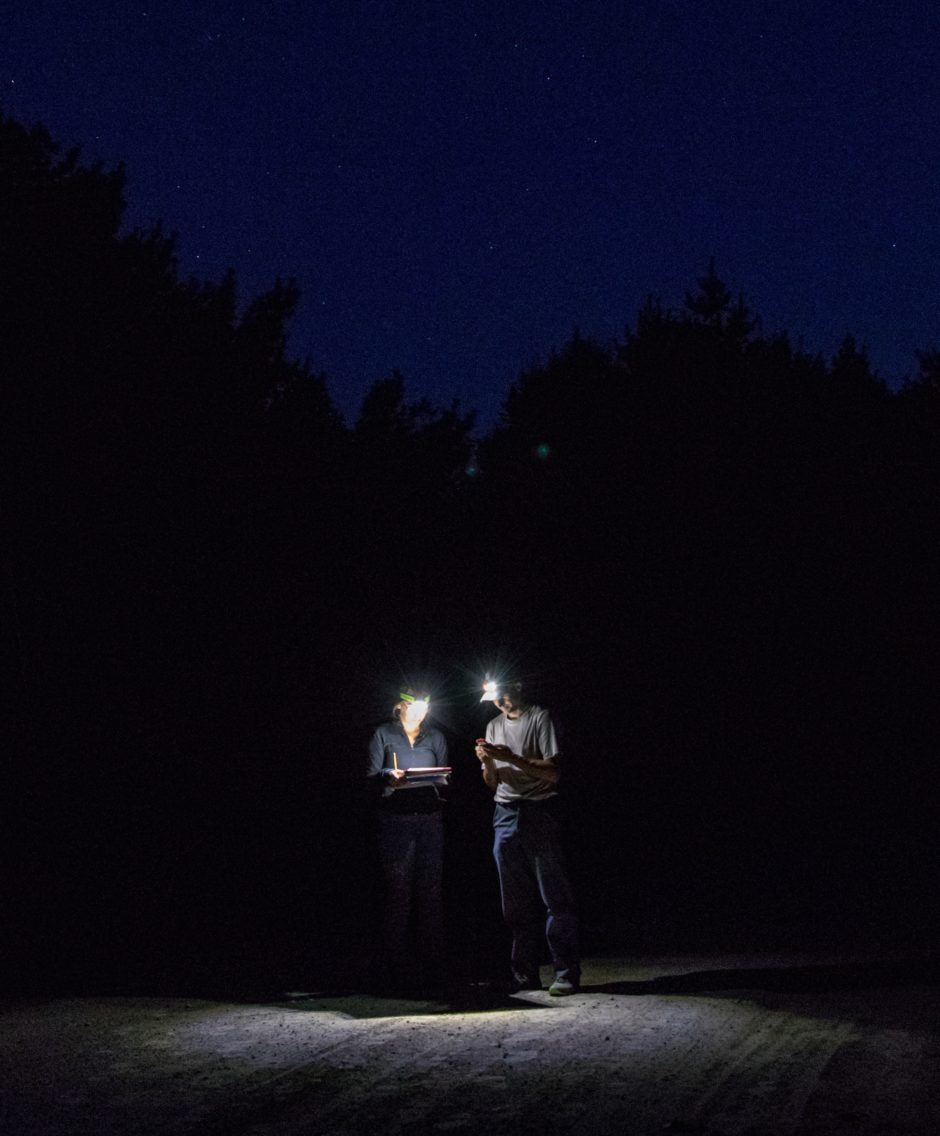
[394, 759]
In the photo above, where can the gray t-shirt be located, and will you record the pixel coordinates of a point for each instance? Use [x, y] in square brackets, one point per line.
[530, 735]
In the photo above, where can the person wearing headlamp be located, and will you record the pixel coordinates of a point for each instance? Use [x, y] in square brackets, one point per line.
[407, 768]
[519, 759]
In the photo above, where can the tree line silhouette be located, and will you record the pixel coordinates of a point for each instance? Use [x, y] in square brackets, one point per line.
[713, 553]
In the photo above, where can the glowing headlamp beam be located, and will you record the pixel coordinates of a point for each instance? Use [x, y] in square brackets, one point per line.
[490, 691]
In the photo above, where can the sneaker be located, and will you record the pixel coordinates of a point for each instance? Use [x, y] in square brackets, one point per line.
[562, 986]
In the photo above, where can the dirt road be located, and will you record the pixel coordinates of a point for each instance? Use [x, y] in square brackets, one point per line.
[706, 1046]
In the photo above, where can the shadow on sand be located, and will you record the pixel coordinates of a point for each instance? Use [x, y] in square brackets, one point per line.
[808, 979]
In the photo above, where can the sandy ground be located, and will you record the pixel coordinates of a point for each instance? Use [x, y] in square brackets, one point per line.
[709, 1046]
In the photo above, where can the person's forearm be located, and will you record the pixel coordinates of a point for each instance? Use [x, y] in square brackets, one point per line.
[543, 768]
[490, 775]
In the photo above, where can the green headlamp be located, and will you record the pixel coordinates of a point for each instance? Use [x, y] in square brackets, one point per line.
[415, 702]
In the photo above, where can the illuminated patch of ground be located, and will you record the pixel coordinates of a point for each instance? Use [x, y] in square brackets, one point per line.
[729, 1046]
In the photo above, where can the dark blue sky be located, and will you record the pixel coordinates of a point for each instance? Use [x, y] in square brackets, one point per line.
[456, 185]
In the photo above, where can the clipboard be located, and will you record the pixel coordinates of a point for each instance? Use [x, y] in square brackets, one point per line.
[427, 772]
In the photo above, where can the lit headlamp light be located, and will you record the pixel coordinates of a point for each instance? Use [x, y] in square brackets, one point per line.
[491, 691]
[414, 705]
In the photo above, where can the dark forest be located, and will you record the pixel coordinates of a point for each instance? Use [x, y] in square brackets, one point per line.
[713, 555]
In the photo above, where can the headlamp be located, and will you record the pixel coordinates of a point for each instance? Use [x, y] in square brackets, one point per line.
[491, 691]
[415, 706]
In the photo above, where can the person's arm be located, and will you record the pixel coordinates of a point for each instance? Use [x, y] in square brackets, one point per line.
[376, 758]
[487, 768]
[376, 772]
[545, 768]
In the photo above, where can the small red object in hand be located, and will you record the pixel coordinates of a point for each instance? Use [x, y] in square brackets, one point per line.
[481, 741]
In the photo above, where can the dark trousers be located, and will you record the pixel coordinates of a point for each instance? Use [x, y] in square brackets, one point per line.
[535, 889]
[411, 848]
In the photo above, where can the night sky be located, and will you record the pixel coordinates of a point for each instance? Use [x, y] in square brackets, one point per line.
[457, 185]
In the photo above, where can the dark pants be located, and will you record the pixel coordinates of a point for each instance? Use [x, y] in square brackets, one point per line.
[411, 848]
[535, 888]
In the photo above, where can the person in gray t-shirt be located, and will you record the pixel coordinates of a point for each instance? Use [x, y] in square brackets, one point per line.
[520, 762]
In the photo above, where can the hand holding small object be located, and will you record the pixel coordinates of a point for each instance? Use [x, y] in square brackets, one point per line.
[489, 751]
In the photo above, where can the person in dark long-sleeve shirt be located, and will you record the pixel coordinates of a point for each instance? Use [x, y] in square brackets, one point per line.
[410, 841]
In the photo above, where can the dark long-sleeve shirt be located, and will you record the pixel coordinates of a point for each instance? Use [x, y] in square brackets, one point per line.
[429, 749]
